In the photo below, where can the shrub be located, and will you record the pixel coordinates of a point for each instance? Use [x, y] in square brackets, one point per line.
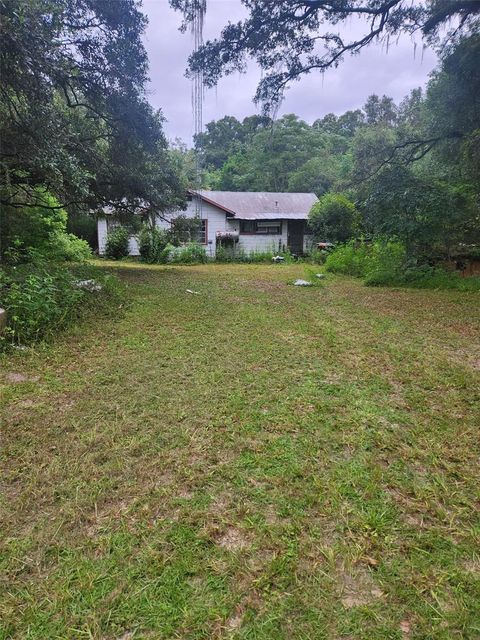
[152, 243]
[68, 247]
[41, 300]
[349, 259]
[333, 218]
[116, 246]
[317, 256]
[191, 253]
[385, 263]
[39, 233]
[224, 254]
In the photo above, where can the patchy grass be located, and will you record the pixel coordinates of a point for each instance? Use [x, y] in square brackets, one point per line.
[258, 461]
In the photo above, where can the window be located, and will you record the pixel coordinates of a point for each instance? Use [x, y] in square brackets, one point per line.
[132, 226]
[265, 227]
[248, 226]
[202, 237]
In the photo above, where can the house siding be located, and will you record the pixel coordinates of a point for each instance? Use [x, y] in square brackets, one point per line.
[217, 220]
[249, 242]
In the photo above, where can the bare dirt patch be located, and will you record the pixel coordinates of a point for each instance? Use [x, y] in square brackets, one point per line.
[15, 378]
[358, 589]
[233, 539]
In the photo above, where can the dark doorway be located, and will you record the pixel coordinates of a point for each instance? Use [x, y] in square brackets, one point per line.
[296, 229]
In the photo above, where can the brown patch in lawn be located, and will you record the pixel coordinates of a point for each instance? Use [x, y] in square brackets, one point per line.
[232, 539]
[473, 566]
[234, 622]
[358, 588]
[14, 378]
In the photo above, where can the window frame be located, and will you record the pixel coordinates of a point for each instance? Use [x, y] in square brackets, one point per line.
[203, 233]
[268, 228]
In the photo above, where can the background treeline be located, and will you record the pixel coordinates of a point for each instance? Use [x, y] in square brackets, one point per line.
[411, 169]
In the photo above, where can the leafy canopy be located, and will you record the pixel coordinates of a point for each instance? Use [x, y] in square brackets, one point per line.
[74, 114]
[290, 38]
[333, 218]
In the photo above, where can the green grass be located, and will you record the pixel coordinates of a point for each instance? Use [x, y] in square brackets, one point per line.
[259, 461]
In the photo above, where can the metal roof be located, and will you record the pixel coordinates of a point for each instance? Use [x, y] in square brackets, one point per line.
[261, 205]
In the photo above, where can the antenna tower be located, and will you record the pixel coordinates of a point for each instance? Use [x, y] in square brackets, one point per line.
[199, 8]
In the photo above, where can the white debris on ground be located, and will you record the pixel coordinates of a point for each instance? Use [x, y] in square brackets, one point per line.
[88, 285]
[320, 275]
[278, 259]
[197, 293]
[302, 283]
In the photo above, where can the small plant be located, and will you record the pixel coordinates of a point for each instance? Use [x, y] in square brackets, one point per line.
[224, 254]
[116, 246]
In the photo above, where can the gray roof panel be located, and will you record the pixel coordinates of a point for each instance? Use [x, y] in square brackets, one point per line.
[261, 205]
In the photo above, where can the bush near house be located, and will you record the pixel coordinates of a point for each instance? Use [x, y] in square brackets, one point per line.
[334, 218]
[152, 243]
[116, 246]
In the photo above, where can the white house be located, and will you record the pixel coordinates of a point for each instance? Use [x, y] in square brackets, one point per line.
[253, 221]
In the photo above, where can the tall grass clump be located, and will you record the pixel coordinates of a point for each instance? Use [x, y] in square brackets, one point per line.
[190, 253]
[387, 263]
[43, 299]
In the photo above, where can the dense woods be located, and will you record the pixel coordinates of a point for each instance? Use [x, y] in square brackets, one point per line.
[410, 168]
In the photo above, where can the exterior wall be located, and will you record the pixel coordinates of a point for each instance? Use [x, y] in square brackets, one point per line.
[257, 241]
[102, 235]
[308, 242]
[102, 231]
[216, 221]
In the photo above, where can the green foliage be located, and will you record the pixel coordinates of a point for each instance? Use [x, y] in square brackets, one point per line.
[116, 246]
[385, 263]
[41, 299]
[152, 243]
[377, 262]
[224, 254]
[191, 253]
[349, 259]
[84, 226]
[73, 109]
[39, 233]
[68, 247]
[317, 256]
[333, 218]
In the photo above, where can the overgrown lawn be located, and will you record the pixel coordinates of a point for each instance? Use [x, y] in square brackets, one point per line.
[255, 460]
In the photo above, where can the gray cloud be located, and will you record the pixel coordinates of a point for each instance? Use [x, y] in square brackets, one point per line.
[394, 72]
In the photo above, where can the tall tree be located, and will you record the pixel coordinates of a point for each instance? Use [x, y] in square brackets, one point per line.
[290, 38]
[75, 118]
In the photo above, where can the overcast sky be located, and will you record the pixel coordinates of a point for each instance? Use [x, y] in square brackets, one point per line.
[375, 70]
